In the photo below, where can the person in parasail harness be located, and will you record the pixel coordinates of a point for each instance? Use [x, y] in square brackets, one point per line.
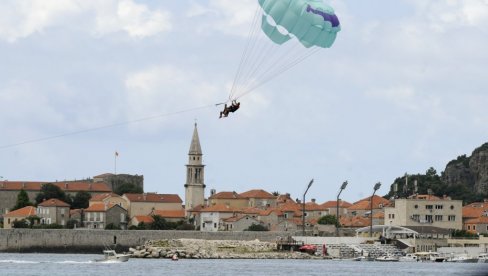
[232, 108]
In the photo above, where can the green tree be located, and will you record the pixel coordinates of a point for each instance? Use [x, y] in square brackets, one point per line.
[328, 220]
[112, 226]
[72, 223]
[81, 200]
[20, 224]
[49, 191]
[159, 223]
[126, 188]
[257, 227]
[22, 200]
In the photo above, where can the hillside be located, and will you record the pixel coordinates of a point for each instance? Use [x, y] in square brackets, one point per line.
[465, 177]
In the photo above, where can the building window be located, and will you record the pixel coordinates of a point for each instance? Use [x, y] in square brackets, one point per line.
[474, 227]
[428, 218]
[416, 217]
[439, 207]
[215, 225]
[429, 207]
[438, 217]
[452, 207]
[451, 218]
[416, 206]
[469, 227]
[203, 225]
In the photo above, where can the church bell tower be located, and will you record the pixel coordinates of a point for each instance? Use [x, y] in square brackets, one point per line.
[195, 184]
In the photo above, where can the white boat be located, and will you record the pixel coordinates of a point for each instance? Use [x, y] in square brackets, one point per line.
[430, 257]
[111, 256]
[483, 258]
[409, 258]
[387, 258]
[463, 258]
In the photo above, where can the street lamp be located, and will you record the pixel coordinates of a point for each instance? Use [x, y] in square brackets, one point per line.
[337, 207]
[303, 207]
[376, 187]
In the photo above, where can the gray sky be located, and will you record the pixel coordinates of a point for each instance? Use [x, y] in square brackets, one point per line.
[401, 90]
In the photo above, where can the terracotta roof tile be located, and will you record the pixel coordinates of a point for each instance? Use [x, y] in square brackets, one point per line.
[333, 204]
[258, 193]
[474, 212]
[101, 197]
[153, 197]
[312, 206]
[22, 212]
[480, 220]
[53, 202]
[226, 195]
[356, 221]
[170, 213]
[378, 203]
[69, 186]
[98, 207]
[144, 219]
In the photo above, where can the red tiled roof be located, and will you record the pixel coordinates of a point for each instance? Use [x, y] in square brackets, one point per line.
[251, 210]
[67, 186]
[53, 202]
[238, 218]
[379, 215]
[170, 213]
[474, 210]
[227, 195]
[101, 197]
[98, 207]
[365, 204]
[289, 207]
[144, 219]
[268, 211]
[480, 220]
[153, 197]
[22, 212]
[376, 200]
[258, 193]
[356, 221]
[284, 198]
[333, 204]
[312, 206]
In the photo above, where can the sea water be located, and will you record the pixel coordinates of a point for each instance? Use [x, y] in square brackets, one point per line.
[84, 264]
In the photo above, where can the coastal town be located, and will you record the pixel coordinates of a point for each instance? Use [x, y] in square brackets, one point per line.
[421, 222]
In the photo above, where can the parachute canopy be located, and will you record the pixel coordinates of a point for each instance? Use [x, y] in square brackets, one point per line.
[312, 22]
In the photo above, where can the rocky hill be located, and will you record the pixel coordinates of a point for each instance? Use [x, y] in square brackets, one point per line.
[464, 178]
[471, 172]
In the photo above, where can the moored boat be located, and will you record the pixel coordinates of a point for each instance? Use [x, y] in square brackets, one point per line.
[387, 258]
[409, 258]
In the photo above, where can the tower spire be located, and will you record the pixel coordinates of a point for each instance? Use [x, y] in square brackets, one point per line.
[195, 147]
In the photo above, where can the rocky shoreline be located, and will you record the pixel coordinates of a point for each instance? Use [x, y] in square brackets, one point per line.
[214, 249]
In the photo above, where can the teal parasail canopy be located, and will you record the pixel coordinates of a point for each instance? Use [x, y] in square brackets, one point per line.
[312, 22]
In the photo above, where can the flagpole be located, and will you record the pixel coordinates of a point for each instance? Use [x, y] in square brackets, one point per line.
[115, 163]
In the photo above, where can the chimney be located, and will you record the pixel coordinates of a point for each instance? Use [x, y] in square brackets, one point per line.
[23, 185]
[66, 186]
[298, 201]
[313, 200]
[212, 192]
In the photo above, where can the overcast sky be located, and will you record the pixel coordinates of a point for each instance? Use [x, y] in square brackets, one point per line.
[402, 89]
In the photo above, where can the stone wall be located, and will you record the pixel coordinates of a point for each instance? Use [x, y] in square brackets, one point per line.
[93, 241]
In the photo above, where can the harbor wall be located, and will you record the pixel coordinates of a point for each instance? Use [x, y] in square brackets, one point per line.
[93, 241]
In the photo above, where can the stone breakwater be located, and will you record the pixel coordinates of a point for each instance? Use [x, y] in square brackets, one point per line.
[214, 249]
